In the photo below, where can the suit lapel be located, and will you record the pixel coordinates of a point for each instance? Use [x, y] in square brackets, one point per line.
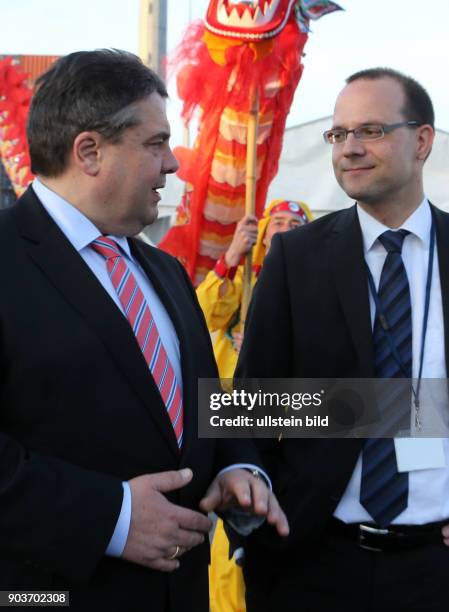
[349, 271]
[442, 234]
[70, 275]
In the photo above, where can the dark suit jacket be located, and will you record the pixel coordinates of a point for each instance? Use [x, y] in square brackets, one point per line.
[80, 412]
[310, 318]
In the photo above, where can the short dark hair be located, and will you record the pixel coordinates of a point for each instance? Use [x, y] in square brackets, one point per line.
[86, 90]
[418, 105]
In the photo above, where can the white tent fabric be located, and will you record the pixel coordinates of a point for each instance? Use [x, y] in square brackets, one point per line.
[305, 172]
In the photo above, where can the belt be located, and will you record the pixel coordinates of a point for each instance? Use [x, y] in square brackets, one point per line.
[392, 538]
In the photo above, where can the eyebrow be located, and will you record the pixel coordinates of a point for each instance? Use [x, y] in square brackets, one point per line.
[373, 122]
[160, 136]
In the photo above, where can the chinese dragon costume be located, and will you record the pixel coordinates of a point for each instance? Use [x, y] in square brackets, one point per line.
[15, 96]
[243, 47]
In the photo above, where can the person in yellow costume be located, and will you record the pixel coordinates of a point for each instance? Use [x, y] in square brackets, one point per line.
[220, 296]
[220, 293]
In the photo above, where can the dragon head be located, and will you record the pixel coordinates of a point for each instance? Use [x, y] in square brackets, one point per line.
[254, 20]
[250, 20]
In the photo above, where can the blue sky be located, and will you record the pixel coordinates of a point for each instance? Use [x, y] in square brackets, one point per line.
[409, 35]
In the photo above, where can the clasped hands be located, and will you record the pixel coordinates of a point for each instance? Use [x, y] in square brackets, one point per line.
[160, 531]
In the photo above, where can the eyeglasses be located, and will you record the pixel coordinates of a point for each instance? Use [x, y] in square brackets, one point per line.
[371, 131]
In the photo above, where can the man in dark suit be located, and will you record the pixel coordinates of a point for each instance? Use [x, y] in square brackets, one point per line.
[366, 516]
[104, 483]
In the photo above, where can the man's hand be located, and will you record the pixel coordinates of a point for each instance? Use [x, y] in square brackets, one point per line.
[159, 529]
[240, 488]
[244, 239]
[445, 533]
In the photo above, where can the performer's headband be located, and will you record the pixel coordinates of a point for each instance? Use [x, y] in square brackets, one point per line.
[291, 207]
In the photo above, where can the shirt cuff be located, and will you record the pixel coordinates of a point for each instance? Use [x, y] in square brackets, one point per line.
[118, 541]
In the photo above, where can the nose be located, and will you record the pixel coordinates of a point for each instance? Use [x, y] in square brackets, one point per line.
[353, 146]
[171, 164]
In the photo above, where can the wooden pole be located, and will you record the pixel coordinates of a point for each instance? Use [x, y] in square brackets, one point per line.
[250, 196]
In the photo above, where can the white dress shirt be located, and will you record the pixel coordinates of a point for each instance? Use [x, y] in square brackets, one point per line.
[80, 231]
[428, 499]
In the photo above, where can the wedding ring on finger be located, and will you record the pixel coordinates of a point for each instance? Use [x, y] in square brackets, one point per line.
[174, 555]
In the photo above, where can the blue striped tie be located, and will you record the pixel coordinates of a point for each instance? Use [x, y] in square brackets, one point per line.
[383, 490]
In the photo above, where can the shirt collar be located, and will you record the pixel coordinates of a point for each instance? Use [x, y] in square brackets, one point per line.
[77, 228]
[418, 224]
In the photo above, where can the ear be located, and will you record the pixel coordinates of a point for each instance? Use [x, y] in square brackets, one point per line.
[425, 137]
[86, 152]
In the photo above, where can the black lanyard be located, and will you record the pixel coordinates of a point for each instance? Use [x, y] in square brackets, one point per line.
[380, 313]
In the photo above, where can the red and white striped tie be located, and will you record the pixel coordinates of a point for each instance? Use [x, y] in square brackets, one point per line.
[144, 327]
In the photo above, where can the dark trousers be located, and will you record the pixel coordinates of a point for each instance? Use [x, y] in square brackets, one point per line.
[338, 576]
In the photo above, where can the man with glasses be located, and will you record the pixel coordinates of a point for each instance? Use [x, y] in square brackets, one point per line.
[367, 516]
